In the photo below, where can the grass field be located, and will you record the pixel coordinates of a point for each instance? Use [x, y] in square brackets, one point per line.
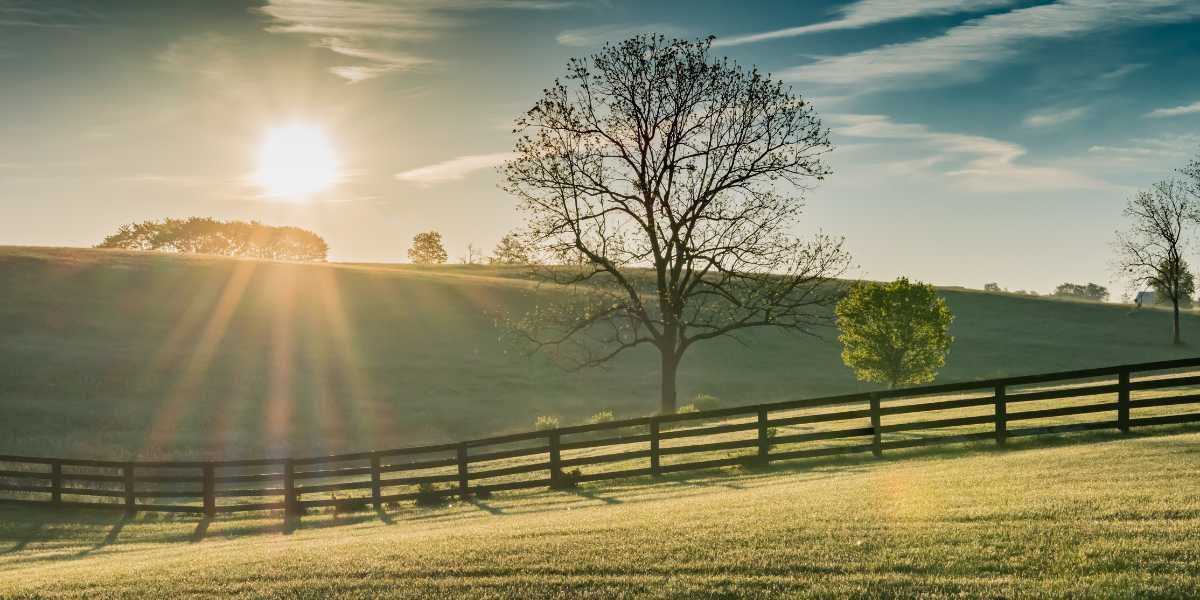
[1118, 516]
[116, 355]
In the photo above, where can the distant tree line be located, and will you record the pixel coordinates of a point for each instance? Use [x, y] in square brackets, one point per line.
[1091, 291]
[427, 249]
[205, 235]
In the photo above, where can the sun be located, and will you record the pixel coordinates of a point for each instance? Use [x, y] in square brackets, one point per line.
[296, 161]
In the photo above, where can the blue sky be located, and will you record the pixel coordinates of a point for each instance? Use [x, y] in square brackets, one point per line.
[977, 141]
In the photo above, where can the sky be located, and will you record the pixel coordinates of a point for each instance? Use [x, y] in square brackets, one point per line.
[975, 141]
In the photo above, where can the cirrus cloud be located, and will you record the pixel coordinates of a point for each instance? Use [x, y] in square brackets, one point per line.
[453, 169]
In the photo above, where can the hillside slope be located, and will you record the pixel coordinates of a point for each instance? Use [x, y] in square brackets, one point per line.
[1111, 518]
[119, 354]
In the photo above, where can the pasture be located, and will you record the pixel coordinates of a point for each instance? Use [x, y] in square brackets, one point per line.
[124, 355]
[1117, 516]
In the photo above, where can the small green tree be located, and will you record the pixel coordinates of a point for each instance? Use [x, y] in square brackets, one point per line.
[427, 249]
[895, 333]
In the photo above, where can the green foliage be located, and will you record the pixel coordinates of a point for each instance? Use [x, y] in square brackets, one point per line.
[604, 416]
[896, 333]
[703, 402]
[427, 249]
[686, 408]
[1091, 291]
[545, 422]
[203, 235]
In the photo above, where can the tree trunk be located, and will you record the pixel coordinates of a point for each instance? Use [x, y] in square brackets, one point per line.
[1177, 341]
[669, 366]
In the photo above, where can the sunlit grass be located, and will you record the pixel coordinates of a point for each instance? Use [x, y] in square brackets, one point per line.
[1095, 515]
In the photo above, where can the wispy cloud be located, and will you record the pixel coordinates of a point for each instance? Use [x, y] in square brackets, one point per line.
[1056, 116]
[866, 13]
[963, 52]
[595, 36]
[1187, 109]
[1122, 71]
[210, 55]
[45, 14]
[453, 169]
[1164, 152]
[375, 32]
[976, 163]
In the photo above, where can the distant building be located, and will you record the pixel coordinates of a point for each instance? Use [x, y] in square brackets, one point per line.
[1146, 299]
[1151, 299]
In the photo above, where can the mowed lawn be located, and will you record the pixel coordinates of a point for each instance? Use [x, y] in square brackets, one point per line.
[122, 355]
[1098, 515]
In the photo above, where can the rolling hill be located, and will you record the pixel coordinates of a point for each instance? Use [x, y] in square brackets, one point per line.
[117, 354]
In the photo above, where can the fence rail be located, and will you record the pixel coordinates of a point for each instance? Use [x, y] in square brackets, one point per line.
[463, 469]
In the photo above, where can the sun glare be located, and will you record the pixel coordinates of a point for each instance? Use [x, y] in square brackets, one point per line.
[295, 162]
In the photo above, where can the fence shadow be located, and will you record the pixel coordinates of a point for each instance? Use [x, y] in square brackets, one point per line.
[22, 526]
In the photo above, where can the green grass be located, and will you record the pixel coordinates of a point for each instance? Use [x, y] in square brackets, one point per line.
[1118, 516]
[117, 355]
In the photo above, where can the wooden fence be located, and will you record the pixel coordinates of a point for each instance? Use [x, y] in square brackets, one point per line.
[644, 446]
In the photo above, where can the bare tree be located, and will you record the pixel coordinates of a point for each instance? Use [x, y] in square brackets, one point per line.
[1151, 250]
[666, 184]
[474, 255]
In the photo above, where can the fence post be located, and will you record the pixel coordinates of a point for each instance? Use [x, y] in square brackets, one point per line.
[376, 491]
[877, 441]
[291, 503]
[654, 433]
[56, 485]
[764, 441]
[555, 460]
[210, 491]
[462, 470]
[1001, 416]
[130, 501]
[1123, 400]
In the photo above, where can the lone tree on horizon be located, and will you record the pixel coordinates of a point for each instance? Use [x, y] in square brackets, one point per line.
[1151, 251]
[896, 333]
[665, 185]
[427, 249]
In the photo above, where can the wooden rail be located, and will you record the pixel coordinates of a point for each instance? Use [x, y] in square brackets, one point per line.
[874, 425]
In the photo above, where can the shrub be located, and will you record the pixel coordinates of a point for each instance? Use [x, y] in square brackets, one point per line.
[686, 408]
[427, 495]
[604, 416]
[704, 402]
[350, 505]
[568, 480]
[545, 422]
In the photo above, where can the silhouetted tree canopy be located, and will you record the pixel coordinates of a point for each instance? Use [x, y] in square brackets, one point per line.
[427, 249]
[1187, 285]
[1150, 251]
[896, 333]
[670, 181]
[204, 235]
[1091, 291]
[510, 251]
